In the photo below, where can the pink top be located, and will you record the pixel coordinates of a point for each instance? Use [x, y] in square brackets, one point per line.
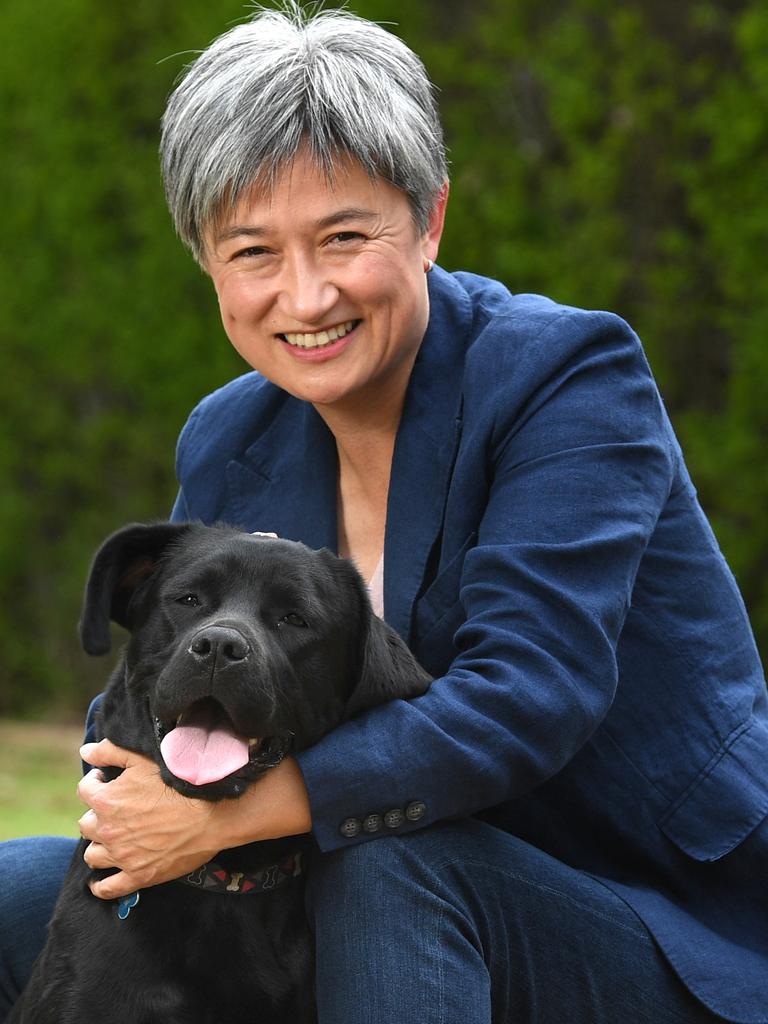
[376, 588]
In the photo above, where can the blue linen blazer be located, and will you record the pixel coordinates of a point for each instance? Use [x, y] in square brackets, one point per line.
[597, 687]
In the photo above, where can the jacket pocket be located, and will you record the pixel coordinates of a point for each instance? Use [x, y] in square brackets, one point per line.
[727, 800]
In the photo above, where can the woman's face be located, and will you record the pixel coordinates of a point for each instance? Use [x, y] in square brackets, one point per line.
[322, 289]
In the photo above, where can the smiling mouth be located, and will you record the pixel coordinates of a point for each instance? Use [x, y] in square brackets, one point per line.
[320, 339]
[202, 745]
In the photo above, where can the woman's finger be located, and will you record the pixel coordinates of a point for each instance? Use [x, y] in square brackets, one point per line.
[105, 755]
[97, 857]
[115, 886]
[89, 784]
[88, 825]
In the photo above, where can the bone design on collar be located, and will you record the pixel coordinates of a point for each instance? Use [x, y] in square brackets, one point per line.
[212, 877]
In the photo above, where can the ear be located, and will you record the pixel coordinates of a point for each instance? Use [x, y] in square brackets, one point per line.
[388, 669]
[430, 241]
[121, 564]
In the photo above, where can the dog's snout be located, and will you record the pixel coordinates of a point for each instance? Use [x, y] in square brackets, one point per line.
[220, 642]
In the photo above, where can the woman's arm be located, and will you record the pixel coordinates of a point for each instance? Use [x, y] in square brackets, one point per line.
[565, 438]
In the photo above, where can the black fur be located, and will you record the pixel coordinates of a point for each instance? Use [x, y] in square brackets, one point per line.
[314, 654]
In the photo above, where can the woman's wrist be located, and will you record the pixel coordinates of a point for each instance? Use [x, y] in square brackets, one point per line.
[276, 805]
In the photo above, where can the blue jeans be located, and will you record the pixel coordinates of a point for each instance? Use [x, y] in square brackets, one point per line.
[458, 924]
[31, 873]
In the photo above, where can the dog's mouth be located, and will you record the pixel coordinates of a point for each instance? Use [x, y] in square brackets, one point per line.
[202, 745]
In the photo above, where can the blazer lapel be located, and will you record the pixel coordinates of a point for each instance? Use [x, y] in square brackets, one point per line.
[425, 450]
[286, 483]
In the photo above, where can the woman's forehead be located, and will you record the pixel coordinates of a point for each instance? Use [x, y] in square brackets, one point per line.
[304, 193]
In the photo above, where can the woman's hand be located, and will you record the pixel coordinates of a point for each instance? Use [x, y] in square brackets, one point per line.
[154, 834]
[139, 824]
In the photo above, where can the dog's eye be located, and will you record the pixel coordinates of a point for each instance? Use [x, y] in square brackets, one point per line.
[292, 619]
[190, 601]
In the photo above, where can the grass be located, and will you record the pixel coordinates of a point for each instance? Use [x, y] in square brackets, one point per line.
[39, 770]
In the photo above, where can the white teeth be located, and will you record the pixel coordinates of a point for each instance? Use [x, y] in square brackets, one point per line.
[320, 338]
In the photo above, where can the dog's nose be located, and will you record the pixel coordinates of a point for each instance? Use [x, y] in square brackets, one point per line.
[219, 642]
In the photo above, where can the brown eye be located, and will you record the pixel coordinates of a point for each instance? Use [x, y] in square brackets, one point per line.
[189, 601]
[292, 619]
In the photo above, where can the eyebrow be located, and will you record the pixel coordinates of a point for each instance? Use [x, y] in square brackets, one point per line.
[351, 213]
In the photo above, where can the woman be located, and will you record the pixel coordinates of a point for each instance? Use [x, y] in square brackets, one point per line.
[571, 823]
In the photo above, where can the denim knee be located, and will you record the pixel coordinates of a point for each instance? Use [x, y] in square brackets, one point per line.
[386, 938]
[376, 871]
[474, 924]
[31, 873]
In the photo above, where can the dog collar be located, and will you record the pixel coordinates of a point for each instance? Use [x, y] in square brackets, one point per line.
[212, 877]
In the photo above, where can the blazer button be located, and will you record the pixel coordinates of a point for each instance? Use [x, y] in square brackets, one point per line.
[372, 823]
[416, 810]
[394, 818]
[349, 828]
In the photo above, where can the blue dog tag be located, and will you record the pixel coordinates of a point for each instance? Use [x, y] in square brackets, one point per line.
[126, 904]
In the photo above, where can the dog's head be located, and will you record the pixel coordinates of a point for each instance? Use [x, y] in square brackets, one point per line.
[241, 649]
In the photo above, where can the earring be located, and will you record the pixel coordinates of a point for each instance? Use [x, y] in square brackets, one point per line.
[428, 264]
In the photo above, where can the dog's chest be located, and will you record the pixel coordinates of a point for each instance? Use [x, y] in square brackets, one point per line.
[213, 956]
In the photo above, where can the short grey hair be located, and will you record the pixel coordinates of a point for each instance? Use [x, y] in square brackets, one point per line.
[330, 80]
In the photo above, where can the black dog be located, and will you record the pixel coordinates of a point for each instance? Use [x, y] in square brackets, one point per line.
[242, 649]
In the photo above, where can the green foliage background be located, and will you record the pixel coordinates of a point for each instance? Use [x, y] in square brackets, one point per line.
[610, 155]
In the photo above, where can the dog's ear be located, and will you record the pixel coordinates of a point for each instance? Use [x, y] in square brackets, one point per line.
[388, 669]
[121, 564]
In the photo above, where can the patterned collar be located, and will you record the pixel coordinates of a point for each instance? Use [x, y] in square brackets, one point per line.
[212, 877]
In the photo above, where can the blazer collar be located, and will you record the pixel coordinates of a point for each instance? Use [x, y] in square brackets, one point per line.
[287, 482]
[425, 449]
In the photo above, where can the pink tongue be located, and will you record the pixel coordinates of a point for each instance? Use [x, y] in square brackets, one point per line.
[199, 755]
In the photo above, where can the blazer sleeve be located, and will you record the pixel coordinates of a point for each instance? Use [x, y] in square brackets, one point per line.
[568, 427]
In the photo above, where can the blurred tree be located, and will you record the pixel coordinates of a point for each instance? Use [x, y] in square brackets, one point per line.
[615, 156]
[608, 155]
[109, 331]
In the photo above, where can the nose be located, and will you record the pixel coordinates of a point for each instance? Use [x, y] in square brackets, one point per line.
[219, 643]
[306, 293]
